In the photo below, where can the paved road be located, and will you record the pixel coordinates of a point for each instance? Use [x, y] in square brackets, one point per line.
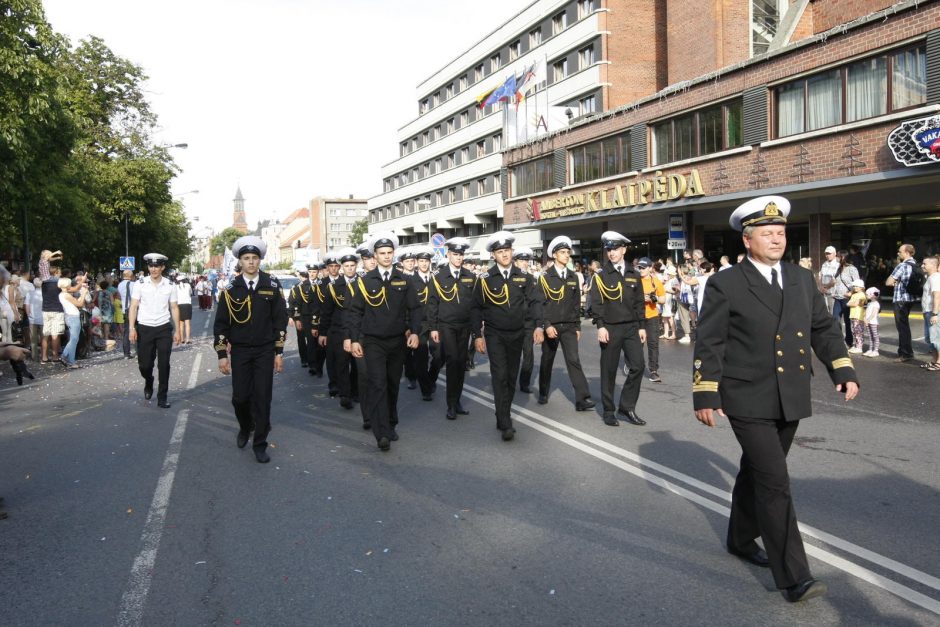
[122, 513]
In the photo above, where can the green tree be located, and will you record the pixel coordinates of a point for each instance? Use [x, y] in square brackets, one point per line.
[358, 233]
[224, 240]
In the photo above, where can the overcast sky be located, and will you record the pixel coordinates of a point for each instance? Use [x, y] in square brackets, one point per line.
[292, 99]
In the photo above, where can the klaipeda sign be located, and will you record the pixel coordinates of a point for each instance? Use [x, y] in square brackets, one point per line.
[916, 142]
[659, 188]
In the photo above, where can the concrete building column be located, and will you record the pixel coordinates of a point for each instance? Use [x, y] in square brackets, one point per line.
[820, 233]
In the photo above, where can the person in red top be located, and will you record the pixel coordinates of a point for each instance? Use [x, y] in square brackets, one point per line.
[654, 293]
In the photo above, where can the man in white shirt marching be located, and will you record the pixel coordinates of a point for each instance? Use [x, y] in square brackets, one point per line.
[153, 305]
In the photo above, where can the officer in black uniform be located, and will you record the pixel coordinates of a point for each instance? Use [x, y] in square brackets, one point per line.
[252, 319]
[449, 319]
[299, 297]
[316, 353]
[339, 295]
[406, 261]
[761, 321]
[367, 257]
[384, 321]
[619, 313]
[423, 367]
[561, 320]
[505, 306]
[521, 257]
[331, 260]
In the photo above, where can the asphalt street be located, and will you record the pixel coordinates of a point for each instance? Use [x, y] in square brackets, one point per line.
[123, 513]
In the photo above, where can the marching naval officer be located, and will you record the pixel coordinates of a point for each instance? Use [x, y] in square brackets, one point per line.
[752, 363]
[426, 369]
[252, 318]
[153, 305]
[521, 258]
[619, 313]
[505, 306]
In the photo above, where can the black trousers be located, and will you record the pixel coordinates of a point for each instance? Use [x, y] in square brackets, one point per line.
[359, 368]
[318, 356]
[411, 370]
[528, 360]
[384, 359]
[568, 340]
[155, 343]
[761, 504]
[302, 334]
[252, 385]
[505, 351]
[453, 353]
[426, 368]
[902, 312]
[125, 339]
[344, 365]
[624, 338]
[652, 342]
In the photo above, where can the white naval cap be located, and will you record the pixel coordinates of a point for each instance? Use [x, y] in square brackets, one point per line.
[385, 239]
[249, 244]
[457, 244]
[365, 248]
[405, 252]
[155, 259]
[347, 254]
[331, 257]
[523, 252]
[499, 240]
[613, 239]
[422, 252]
[562, 241]
[761, 210]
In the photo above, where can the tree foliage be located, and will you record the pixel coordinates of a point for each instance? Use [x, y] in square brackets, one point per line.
[223, 240]
[358, 233]
[77, 157]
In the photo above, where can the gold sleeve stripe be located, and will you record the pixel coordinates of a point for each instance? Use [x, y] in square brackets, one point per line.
[705, 386]
[221, 346]
[843, 362]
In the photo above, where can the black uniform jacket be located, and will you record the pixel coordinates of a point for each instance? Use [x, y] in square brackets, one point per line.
[562, 298]
[448, 305]
[423, 292]
[616, 299]
[302, 301]
[505, 305]
[244, 319]
[752, 353]
[337, 300]
[381, 309]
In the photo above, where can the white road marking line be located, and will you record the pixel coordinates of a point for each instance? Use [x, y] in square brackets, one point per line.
[138, 587]
[865, 574]
[205, 327]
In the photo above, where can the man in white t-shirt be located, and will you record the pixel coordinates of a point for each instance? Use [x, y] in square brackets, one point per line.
[827, 274]
[930, 304]
[124, 290]
[153, 305]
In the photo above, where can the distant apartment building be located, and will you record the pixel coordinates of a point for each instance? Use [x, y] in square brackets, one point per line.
[271, 236]
[332, 221]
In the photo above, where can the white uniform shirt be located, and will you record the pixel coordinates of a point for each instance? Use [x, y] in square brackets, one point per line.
[154, 307]
[184, 294]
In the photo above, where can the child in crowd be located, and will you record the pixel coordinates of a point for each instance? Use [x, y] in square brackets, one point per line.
[872, 309]
[856, 304]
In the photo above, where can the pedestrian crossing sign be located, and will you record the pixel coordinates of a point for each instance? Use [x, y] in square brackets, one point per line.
[127, 263]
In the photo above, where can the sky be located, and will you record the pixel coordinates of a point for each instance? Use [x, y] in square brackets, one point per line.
[289, 99]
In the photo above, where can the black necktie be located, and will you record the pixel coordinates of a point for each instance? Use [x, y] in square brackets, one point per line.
[456, 275]
[773, 279]
[620, 270]
[506, 274]
[562, 275]
[385, 276]
[251, 286]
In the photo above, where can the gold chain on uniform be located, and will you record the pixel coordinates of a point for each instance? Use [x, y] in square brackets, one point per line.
[423, 299]
[300, 289]
[335, 300]
[491, 296]
[555, 295]
[235, 305]
[609, 294]
[446, 295]
[376, 301]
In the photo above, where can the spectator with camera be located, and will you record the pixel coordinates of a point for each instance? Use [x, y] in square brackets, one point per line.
[73, 320]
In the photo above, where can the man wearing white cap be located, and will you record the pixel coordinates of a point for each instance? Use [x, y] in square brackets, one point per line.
[252, 320]
[828, 271]
[522, 258]
[506, 304]
[425, 369]
[561, 320]
[153, 307]
[761, 322]
[339, 294]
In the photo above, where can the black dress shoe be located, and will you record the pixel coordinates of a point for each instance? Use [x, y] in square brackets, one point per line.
[427, 397]
[345, 403]
[804, 590]
[366, 426]
[261, 455]
[394, 436]
[525, 389]
[164, 404]
[611, 421]
[384, 444]
[313, 373]
[412, 384]
[242, 439]
[758, 557]
[148, 388]
[333, 393]
[460, 410]
[508, 434]
[451, 413]
[632, 418]
[543, 399]
[585, 405]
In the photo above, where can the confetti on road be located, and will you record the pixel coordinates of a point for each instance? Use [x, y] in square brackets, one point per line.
[368, 553]
[104, 538]
[385, 551]
[202, 562]
[357, 570]
[551, 592]
[130, 510]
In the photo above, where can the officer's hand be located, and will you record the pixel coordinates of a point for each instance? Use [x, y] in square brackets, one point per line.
[315, 333]
[298, 325]
[850, 389]
[347, 346]
[602, 336]
[224, 366]
[707, 417]
[132, 335]
[642, 336]
[279, 363]
[538, 336]
[291, 322]
[413, 341]
[436, 336]
[322, 341]
[356, 349]
[551, 332]
[577, 335]
[177, 338]
[480, 345]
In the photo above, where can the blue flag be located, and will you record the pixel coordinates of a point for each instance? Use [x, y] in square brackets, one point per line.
[507, 91]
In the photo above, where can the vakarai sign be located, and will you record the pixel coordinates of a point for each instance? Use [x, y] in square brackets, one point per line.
[916, 142]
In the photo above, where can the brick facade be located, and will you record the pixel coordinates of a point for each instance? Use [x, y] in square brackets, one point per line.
[830, 13]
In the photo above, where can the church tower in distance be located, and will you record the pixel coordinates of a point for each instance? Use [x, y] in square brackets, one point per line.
[238, 215]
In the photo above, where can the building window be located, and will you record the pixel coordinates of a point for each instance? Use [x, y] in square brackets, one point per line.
[452, 195]
[450, 126]
[465, 154]
[585, 8]
[481, 187]
[465, 191]
[586, 57]
[462, 84]
[559, 22]
[388, 185]
[864, 89]
[451, 160]
[700, 133]
[478, 73]
[765, 18]
[464, 119]
[535, 37]
[436, 99]
[494, 63]
[559, 70]
[481, 149]
[423, 107]
[449, 91]
[426, 138]
[531, 177]
[438, 131]
[414, 174]
[439, 164]
[497, 143]
[438, 199]
[425, 170]
[515, 49]
[587, 105]
[351, 213]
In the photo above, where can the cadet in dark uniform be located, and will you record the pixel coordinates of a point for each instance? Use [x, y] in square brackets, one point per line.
[424, 368]
[367, 257]
[332, 320]
[449, 319]
[561, 320]
[332, 276]
[252, 319]
[384, 321]
[619, 312]
[505, 305]
[521, 258]
[761, 321]
[406, 260]
[298, 298]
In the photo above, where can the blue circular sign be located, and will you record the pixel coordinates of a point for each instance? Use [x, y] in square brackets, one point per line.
[437, 240]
